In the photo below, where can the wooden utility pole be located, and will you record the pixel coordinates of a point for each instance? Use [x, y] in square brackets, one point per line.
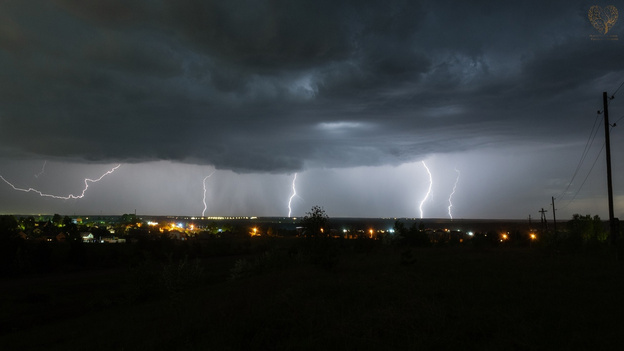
[612, 226]
[554, 216]
[543, 220]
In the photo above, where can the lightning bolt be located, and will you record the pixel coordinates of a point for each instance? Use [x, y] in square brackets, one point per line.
[204, 184]
[70, 196]
[452, 193]
[294, 193]
[42, 169]
[428, 190]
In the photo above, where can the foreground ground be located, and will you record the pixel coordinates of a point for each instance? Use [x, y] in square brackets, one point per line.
[379, 298]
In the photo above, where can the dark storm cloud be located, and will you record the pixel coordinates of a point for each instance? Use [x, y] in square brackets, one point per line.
[568, 66]
[111, 12]
[277, 86]
[276, 34]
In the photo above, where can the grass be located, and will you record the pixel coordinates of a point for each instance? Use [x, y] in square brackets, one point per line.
[445, 298]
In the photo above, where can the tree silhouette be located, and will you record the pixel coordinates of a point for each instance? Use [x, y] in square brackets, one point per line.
[585, 229]
[8, 226]
[316, 222]
[57, 219]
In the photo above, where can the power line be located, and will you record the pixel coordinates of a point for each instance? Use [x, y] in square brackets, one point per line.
[587, 176]
[592, 167]
[616, 90]
[588, 144]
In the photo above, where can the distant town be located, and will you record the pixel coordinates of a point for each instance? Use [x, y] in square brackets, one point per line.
[130, 227]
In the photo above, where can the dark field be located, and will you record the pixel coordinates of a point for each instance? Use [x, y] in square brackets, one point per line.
[293, 293]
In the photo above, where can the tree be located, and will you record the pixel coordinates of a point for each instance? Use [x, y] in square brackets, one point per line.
[129, 219]
[28, 223]
[8, 226]
[322, 249]
[10, 244]
[71, 229]
[584, 229]
[316, 222]
[415, 236]
[57, 219]
[399, 229]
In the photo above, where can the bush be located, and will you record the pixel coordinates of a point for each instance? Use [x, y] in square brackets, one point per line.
[268, 261]
[176, 276]
[149, 280]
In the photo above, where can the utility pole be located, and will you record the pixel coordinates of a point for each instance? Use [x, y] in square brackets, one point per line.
[554, 216]
[543, 219]
[612, 226]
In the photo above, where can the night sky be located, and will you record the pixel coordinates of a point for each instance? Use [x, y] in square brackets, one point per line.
[498, 99]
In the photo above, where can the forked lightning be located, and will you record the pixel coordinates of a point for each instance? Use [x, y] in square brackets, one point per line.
[204, 200]
[453, 193]
[294, 193]
[70, 196]
[428, 190]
